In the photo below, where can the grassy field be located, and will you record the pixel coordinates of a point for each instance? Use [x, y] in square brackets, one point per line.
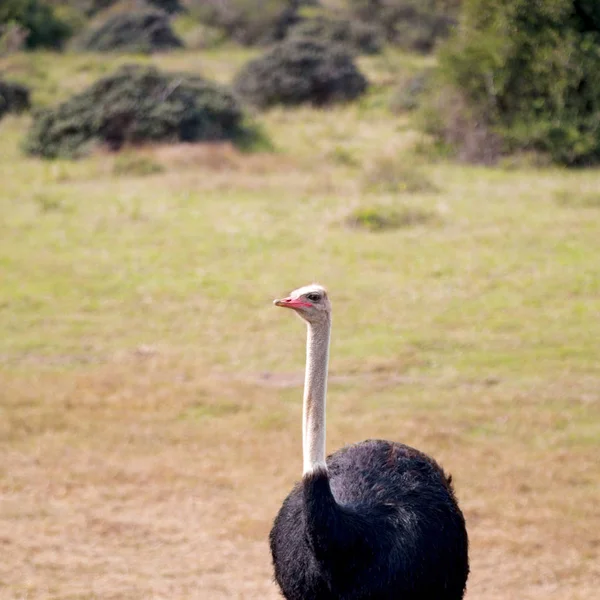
[150, 395]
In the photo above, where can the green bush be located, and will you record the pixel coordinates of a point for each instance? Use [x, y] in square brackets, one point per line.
[146, 30]
[137, 104]
[12, 38]
[14, 97]
[301, 70]
[411, 24]
[359, 37]
[528, 73]
[248, 22]
[44, 28]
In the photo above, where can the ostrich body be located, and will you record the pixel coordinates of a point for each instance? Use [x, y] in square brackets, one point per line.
[377, 520]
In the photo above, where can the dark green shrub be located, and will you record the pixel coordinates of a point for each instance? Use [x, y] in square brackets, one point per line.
[146, 30]
[528, 73]
[411, 24]
[14, 97]
[44, 28]
[248, 22]
[359, 37]
[301, 70]
[137, 104]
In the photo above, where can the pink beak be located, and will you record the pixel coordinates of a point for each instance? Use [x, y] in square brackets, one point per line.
[291, 303]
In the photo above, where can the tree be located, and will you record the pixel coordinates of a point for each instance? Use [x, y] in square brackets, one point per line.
[528, 70]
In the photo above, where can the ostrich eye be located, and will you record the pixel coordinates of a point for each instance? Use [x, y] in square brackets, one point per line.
[313, 297]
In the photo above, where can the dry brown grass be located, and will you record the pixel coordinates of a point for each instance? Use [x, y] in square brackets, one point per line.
[150, 478]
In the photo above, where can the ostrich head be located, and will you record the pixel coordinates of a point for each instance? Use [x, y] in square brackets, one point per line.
[310, 302]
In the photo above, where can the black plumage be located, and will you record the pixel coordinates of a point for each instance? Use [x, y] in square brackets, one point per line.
[381, 523]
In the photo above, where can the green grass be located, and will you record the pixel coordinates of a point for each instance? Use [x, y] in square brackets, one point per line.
[509, 280]
[137, 328]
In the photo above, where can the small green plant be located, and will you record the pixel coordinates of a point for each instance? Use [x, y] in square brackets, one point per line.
[48, 201]
[383, 218]
[396, 175]
[344, 156]
[136, 165]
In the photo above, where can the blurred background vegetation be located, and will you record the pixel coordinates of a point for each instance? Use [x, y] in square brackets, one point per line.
[511, 76]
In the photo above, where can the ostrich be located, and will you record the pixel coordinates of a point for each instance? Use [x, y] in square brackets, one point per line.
[377, 520]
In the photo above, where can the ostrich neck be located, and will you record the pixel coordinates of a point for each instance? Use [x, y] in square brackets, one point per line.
[315, 390]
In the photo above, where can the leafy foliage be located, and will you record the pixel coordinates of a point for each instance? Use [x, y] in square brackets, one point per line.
[301, 70]
[44, 28]
[133, 105]
[146, 30]
[529, 71]
[14, 97]
[359, 37]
